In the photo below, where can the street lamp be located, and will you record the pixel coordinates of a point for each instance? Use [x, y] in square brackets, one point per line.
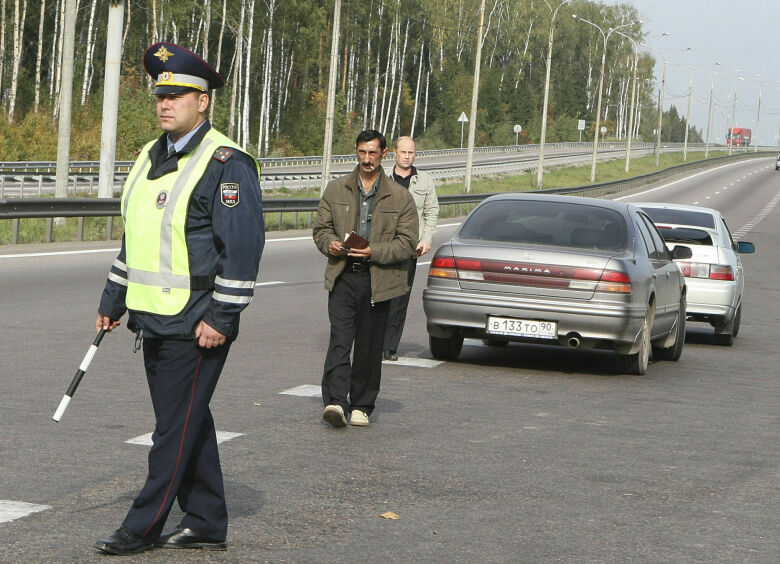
[733, 112]
[543, 136]
[605, 37]
[709, 114]
[661, 108]
[633, 94]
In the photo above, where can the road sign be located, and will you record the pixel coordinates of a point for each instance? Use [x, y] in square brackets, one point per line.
[517, 130]
[581, 124]
[462, 119]
[603, 129]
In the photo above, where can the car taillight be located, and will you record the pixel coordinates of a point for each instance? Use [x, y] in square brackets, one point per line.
[614, 281]
[706, 270]
[442, 267]
[721, 272]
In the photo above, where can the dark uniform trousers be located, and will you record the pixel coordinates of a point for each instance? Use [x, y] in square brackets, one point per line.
[397, 316]
[184, 461]
[354, 319]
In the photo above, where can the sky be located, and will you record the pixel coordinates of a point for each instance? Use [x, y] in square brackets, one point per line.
[742, 36]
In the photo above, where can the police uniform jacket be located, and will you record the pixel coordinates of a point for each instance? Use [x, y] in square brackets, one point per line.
[224, 243]
[393, 235]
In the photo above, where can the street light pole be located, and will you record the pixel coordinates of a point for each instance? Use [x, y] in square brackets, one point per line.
[474, 98]
[605, 37]
[709, 119]
[543, 136]
[731, 125]
[327, 146]
[687, 118]
[660, 117]
[758, 115]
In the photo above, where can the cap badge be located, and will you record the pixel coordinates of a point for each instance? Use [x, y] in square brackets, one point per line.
[163, 54]
[165, 76]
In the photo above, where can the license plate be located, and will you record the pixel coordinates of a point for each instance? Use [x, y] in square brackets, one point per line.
[513, 327]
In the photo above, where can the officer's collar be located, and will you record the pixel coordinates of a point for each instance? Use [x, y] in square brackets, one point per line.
[194, 140]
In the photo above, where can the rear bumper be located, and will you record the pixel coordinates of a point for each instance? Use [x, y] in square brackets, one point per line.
[711, 299]
[598, 324]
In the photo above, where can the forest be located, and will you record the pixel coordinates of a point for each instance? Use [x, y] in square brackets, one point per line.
[405, 67]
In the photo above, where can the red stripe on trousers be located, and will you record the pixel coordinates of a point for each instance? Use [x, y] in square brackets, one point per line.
[181, 447]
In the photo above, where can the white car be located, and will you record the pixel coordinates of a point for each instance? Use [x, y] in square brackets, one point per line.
[714, 274]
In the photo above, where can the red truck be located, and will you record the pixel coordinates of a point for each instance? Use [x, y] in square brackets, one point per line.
[738, 136]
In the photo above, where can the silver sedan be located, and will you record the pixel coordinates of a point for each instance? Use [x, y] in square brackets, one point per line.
[549, 269]
[714, 273]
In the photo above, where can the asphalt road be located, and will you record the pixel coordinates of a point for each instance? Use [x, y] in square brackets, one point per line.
[523, 454]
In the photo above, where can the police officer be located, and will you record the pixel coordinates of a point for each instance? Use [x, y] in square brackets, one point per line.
[187, 267]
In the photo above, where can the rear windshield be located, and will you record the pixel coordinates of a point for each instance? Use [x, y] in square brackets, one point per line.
[547, 223]
[686, 235]
[681, 217]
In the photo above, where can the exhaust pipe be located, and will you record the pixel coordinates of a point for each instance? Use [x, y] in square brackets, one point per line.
[573, 340]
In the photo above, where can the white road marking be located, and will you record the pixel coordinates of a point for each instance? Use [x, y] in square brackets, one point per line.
[409, 361]
[758, 218]
[678, 181]
[305, 390]
[273, 283]
[146, 440]
[11, 510]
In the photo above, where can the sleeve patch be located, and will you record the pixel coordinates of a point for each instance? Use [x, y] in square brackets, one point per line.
[223, 154]
[228, 192]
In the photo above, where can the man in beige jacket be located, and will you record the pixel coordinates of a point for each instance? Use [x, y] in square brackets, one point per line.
[361, 281]
[421, 187]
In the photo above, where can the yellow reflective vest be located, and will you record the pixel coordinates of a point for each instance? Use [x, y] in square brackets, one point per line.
[155, 215]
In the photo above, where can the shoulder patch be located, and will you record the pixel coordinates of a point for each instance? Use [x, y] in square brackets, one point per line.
[223, 154]
[229, 194]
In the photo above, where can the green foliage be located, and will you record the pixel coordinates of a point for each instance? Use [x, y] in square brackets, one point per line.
[440, 50]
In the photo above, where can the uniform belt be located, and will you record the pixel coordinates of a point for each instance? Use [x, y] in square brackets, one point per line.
[357, 266]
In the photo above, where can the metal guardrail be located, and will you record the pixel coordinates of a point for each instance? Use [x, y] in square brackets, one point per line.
[15, 209]
[21, 184]
[84, 167]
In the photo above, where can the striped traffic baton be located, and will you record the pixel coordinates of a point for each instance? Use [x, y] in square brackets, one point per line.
[79, 375]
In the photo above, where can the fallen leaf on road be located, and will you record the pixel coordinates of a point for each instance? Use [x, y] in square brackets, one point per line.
[389, 515]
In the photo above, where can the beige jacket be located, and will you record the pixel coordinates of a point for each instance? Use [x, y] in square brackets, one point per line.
[423, 190]
[393, 237]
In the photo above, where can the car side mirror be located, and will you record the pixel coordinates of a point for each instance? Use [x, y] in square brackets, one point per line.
[681, 252]
[745, 247]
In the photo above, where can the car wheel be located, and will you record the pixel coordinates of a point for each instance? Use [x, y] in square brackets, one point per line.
[495, 343]
[637, 363]
[446, 349]
[724, 339]
[724, 335]
[675, 351]
[737, 320]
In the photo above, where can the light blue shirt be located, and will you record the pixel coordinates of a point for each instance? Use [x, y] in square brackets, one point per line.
[181, 143]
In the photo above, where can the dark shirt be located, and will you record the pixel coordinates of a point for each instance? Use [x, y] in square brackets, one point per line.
[367, 204]
[404, 180]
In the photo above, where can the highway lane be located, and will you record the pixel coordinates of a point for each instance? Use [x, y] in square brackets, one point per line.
[526, 453]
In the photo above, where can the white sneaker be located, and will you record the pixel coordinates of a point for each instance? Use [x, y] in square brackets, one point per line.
[334, 414]
[358, 418]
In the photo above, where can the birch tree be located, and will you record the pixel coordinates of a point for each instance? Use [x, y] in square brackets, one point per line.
[18, 33]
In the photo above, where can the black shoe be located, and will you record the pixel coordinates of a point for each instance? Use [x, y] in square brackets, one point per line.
[389, 355]
[184, 537]
[122, 542]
